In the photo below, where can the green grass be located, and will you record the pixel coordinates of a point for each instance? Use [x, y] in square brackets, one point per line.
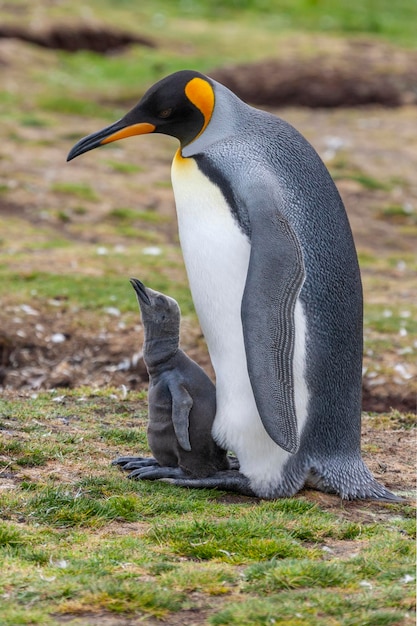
[72, 106]
[79, 190]
[77, 537]
[400, 214]
[130, 216]
[341, 169]
[315, 608]
[78, 541]
[10, 536]
[232, 541]
[124, 168]
[200, 35]
[96, 293]
[378, 17]
[391, 319]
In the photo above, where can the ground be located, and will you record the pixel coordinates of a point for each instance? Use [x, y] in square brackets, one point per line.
[70, 237]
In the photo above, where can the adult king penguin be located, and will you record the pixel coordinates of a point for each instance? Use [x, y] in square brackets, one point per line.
[275, 281]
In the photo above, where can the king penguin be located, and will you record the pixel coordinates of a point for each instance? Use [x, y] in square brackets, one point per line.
[275, 281]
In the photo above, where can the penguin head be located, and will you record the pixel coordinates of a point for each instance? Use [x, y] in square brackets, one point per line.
[160, 314]
[180, 105]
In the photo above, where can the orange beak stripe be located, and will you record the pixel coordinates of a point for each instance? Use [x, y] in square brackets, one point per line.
[135, 129]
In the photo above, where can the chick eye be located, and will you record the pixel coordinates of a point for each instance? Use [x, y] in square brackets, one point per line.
[164, 113]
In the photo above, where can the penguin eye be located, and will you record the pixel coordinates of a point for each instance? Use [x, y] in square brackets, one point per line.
[164, 113]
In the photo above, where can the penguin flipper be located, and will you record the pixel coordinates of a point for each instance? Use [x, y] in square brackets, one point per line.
[275, 276]
[182, 403]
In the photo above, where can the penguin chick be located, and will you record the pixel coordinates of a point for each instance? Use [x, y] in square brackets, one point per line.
[275, 281]
[182, 400]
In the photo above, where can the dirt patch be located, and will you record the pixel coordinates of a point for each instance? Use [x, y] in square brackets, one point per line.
[102, 618]
[187, 617]
[385, 401]
[100, 39]
[57, 354]
[387, 77]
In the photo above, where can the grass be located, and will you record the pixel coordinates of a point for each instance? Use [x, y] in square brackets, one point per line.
[131, 224]
[108, 287]
[314, 609]
[198, 35]
[342, 169]
[77, 537]
[379, 17]
[123, 168]
[95, 293]
[399, 213]
[79, 543]
[391, 320]
[328, 15]
[79, 190]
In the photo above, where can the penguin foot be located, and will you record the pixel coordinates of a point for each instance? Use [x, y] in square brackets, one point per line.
[134, 462]
[353, 483]
[233, 462]
[157, 473]
[227, 480]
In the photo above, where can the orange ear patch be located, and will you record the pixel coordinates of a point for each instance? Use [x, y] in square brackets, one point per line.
[201, 94]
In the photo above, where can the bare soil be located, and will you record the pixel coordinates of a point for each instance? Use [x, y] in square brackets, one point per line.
[348, 74]
[92, 37]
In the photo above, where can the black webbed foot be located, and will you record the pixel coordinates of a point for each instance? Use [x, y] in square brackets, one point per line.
[227, 480]
[157, 473]
[134, 462]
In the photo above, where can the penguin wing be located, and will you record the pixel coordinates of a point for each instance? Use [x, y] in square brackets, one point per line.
[182, 403]
[275, 276]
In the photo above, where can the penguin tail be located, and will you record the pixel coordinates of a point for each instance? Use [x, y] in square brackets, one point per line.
[350, 479]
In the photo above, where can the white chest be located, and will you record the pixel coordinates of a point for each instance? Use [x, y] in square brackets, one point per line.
[216, 254]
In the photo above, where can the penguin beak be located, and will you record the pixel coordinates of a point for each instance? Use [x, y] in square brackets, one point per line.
[119, 130]
[140, 290]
